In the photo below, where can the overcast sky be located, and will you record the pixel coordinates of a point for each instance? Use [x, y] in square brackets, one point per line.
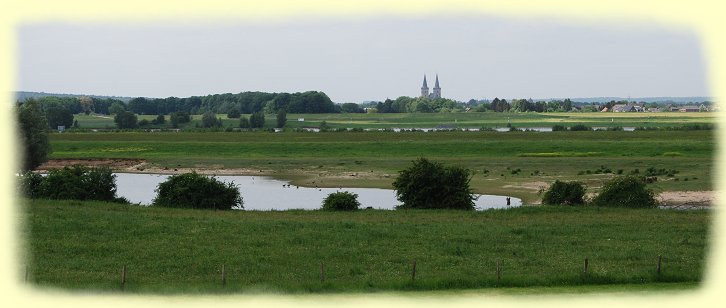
[364, 59]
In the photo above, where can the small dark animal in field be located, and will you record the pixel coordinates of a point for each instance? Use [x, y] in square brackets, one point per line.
[651, 179]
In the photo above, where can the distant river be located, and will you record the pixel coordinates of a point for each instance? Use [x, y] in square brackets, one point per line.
[265, 193]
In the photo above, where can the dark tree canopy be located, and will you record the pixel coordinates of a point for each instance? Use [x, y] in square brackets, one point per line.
[341, 201]
[193, 190]
[430, 185]
[75, 183]
[257, 120]
[58, 115]
[625, 191]
[33, 129]
[565, 193]
[126, 119]
[281, 118]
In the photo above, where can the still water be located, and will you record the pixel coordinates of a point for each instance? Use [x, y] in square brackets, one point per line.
[265, 193]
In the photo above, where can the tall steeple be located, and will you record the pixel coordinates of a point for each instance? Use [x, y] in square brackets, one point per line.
[437, 89]
[424, 88]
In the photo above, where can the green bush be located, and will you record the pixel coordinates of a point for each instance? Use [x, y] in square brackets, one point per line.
[565, 193]
[625, 191]
[558, 128]
[341, 201]
[580, 127]
[193, 190]
[430, 185]
[75, 183]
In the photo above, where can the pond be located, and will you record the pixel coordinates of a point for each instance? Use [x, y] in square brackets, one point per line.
[265, 193]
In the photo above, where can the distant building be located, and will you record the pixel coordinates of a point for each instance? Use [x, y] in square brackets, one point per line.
[689, 108]
[629, 107]
[425, 89]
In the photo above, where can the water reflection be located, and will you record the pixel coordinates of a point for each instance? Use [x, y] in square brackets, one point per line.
[264, 193]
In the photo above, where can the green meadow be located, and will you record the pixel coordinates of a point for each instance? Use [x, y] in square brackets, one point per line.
[462, 120]
[76, 245]
[84, 246]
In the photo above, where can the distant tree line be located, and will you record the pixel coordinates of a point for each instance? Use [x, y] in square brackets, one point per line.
[245, 102]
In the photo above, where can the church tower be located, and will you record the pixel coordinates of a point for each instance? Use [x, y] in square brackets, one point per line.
[425, 88]
[437, 89]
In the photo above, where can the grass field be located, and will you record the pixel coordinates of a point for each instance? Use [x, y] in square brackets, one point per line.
[511, 163]
[83, 246]
[463, 120]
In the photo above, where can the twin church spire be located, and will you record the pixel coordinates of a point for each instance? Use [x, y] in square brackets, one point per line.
[425, 89]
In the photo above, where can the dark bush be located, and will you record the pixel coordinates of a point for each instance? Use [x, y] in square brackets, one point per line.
[74, 182]
[565, 193]
[341, 201]
[31, 184]
[625, 191]
[430, 185]
[193, 190]
[580, 127]
[234, 114]
[558, 128]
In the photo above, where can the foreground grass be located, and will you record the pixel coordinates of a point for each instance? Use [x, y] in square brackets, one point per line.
[83, 246]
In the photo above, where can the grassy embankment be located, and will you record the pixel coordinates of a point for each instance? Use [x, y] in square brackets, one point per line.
[372, 159]
[83, 246]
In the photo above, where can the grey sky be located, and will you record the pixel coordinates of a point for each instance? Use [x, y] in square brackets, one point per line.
[364, 59]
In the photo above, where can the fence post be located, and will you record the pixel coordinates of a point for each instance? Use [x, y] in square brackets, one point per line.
[322, 272]
[26, 273]
[659, 260]
[224, 276]
[413, 272]
[499, 271]
[123, 277]
[586, 264]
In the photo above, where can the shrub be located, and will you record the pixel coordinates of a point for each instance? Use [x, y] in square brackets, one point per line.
[75, 182]
[30, 184]
[430, 185]
[580, 127]
[234, 114]
[341, 201]
[565, 193]
[558, 128]
[193, 190]
[625, 191]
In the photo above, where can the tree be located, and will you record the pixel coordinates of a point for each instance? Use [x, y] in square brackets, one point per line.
[193, 190]
[234, 114]
[341, 201]
[58, 115]
[430, 185]
[244, 122]
[209, 119]
[179, 118]
[625, 191]
[125, 119]
[72, 182]
[116, 108]
[160, 120]
[86, 104]
[33, 129]
[565, 193]
[355, 108]
[281, 118]
[257, 120]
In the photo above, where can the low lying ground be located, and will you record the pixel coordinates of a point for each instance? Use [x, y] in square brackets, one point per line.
[83, 246]
[675, 199]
